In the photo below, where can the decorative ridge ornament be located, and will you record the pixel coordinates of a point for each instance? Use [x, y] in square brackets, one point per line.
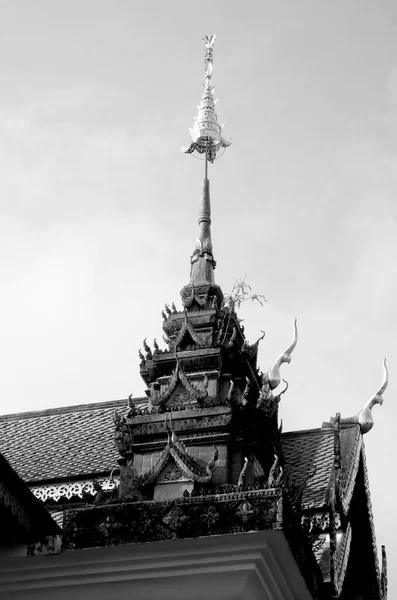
[364, 417]
[273, 376]
[175, 449]
[206, 132]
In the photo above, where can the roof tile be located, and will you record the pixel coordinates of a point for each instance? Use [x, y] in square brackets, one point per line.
[73, 442]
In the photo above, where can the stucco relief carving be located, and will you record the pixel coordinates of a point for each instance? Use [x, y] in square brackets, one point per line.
[171, 473]
[15, 507]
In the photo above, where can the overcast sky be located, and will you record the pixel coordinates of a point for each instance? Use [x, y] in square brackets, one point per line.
[99, 207]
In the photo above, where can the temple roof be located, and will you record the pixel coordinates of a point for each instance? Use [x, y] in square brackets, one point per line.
[309, 455]
[78, 441]
[61, 443]
[22, 517]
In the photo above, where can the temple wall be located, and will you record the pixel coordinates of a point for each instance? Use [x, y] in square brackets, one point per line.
[235, 466]
[144, 462]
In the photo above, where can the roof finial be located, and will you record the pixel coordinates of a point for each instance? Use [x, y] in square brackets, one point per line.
[206, 139]
[206, 132]
[364, 417]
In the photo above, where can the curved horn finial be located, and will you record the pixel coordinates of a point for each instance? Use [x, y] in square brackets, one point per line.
[273, 375]
[385, 379]
[290, 348]
[365, 417]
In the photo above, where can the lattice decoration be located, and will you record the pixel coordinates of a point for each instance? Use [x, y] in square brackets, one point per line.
[68, 489]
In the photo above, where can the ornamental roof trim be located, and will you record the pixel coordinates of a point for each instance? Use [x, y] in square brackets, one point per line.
[189, 465]
[71, 408]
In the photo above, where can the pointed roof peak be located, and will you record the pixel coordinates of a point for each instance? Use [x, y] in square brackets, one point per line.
[207, 139]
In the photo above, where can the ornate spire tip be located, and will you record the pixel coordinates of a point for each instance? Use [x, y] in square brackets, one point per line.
[206, 132]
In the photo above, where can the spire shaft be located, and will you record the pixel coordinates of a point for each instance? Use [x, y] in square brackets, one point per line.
[207, 139]
[204, 220]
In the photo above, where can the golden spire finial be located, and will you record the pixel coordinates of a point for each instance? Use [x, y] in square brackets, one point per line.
[206, 132]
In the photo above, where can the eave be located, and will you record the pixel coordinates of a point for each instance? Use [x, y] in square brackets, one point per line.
[247, 566]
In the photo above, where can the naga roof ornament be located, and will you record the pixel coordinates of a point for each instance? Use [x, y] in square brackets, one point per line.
[364, 417]
[206, 132]
[273, 376]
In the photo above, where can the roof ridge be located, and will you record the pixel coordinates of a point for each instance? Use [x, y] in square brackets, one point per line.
[69, 409]
[319, 430]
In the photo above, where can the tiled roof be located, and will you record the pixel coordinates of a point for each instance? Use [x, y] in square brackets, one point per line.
[77, 441]
[310, 454]
[61, 442]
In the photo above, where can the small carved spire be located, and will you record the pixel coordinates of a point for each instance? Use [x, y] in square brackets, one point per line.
[233, 338]
[211, 464]
[246, 392]
[155, 345]
[240, 481]
[167, 310]
[148, 351]
[166, 340]
[131, 407]
[231, 390]
[141, 357]
[173, 307]
[163, 315]
[275, 474]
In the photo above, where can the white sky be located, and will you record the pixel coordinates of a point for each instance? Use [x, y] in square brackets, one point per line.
[99, 207]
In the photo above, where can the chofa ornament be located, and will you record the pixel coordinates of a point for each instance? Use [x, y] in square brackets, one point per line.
[364, 417]
[273, 376]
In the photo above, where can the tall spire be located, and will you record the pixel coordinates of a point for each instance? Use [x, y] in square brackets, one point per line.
[207, 139]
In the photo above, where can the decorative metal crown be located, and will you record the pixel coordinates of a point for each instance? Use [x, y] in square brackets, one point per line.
[206, 132]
